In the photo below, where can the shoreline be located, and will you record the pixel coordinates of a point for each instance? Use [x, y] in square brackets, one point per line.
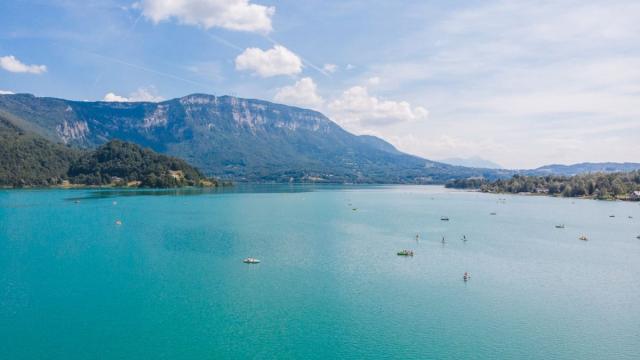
[551, 195]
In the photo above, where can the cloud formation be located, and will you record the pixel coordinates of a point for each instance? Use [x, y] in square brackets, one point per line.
[302, 93]
[276, 61]
[6, 92]
[111, 97]
[12, 64]
[143, 94]
[330, 68]
[356, 107]
[237, 15]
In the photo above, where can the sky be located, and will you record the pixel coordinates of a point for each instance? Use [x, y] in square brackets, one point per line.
[520, 83]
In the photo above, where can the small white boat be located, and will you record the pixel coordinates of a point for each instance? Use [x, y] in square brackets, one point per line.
[583, 238]
[251, 260]
[118, 222]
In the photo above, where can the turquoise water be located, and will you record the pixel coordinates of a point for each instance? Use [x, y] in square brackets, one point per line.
[169, 283]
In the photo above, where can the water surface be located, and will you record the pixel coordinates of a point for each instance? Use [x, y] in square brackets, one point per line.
[169, 283]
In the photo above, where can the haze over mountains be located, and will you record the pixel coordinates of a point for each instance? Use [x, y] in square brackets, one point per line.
[246, 140]
[474, 161]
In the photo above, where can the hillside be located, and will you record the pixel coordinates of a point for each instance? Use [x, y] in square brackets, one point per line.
[235, 138]
[122, 163]
[28, 159]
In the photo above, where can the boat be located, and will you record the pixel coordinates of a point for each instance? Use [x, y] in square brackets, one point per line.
[444, 218]
[466, 276]
[118, 222]
[560, 226]
[612, 216]
[493, 213]
[354, 209]
[405, 253]
[464, 238]
[251, 260]
[583, 238]
[638, 237]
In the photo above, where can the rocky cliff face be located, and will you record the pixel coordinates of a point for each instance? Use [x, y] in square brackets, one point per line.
[231, 137]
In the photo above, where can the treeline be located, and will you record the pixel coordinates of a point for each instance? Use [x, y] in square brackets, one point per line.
[597, 185]
[29, 160]
[121, 163]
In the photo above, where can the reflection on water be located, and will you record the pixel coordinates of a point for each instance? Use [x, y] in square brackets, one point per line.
[235, 189]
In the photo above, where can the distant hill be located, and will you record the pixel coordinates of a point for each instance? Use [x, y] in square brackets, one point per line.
[475, 161]
[582, 168]
[121, 163]
[28, 159]
[240, 139]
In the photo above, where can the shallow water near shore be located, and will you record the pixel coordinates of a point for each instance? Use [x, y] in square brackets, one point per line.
[169, 282]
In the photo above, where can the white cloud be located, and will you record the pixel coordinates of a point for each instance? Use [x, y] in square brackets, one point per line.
[535, 76]
[238, 15]
[149, 94]
[374, 80]
[357, 108]
[143, 94]
[302, 93]
[330, 68]
[6, 92]
[11, 64]
[276, 61]
[111, 97]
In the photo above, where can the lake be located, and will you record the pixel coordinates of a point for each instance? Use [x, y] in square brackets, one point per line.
[169, 282]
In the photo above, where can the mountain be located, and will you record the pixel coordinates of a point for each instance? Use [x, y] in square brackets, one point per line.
[582, 168]
[28, 159]
[240, 139]
[473, 161]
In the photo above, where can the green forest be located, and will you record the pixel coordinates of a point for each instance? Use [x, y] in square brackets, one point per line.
[29, 160]
[121, 163]
[618, 185]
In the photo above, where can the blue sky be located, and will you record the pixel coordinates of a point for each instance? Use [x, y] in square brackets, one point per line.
[522, 83]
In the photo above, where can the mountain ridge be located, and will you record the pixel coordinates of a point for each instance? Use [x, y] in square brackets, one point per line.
[235, 138]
